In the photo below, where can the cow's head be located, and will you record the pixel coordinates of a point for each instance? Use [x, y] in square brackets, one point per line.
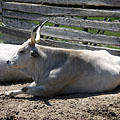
[28, 52]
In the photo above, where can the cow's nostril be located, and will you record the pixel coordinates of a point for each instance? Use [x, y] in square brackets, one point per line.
[8, 62]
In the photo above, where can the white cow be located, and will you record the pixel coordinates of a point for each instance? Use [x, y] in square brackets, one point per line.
[59, 71]
[7, 73]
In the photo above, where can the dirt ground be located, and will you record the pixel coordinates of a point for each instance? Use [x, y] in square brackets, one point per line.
[104, 106]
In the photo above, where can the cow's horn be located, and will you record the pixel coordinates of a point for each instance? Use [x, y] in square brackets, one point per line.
[33, 33]
[38, 34]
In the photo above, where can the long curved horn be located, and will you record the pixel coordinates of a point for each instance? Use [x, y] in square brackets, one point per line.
[38, 34]
[33, 33]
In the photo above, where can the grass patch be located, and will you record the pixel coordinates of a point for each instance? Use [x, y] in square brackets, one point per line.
[95, 18]
[110, 46]
[103, 18]
[110, 33]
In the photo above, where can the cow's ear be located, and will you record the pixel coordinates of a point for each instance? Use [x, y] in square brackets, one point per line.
[34, 53]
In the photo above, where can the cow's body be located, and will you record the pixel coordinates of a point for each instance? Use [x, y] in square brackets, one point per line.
[76, 71]
[7, 73]
[57, 71]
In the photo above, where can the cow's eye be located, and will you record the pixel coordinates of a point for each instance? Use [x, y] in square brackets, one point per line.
[21, 51]
[34, 53]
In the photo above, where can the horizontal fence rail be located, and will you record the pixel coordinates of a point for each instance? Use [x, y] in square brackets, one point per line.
[58, 11]
[112, 3]
[102, 25]
[0, 9]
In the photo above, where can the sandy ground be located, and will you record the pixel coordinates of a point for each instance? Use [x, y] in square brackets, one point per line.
[104, 106]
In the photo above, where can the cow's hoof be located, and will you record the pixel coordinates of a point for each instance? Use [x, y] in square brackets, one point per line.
[7, 94]
[25, 89]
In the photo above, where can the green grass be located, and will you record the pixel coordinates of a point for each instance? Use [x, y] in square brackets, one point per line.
[102, 18]
[95, 18]
[109, 46]
[0, 22]
[110, 33]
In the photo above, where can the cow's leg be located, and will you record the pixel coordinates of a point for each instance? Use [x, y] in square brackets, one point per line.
[42, 91]
[46, 90]
[17, 92]
[36, 91]
[54, 85]
[11, 93]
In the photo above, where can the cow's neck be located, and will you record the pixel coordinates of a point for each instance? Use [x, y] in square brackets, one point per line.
[54, 59]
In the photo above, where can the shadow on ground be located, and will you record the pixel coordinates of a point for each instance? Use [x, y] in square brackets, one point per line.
[64, 96]
[68, 96]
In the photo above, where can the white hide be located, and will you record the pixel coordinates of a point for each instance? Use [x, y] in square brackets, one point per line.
[7, 73]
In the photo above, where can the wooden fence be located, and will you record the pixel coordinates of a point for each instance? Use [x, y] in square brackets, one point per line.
[83, 24]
